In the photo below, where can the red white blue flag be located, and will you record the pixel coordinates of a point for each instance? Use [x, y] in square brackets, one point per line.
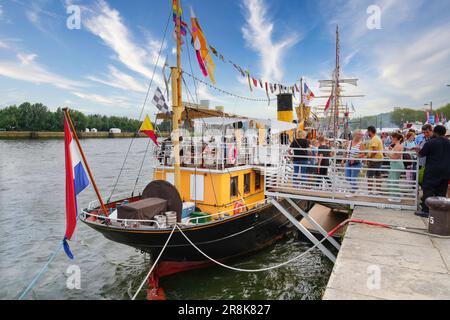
[308, 95]
[76, 182]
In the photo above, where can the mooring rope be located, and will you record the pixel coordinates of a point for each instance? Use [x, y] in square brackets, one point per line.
[254, 270]
[41, 272]
[155, 263]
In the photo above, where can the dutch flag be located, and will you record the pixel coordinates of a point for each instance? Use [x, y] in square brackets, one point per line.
[76, 182]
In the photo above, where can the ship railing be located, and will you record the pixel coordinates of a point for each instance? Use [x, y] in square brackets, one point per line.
[124, 223]
[139, 224]
[218, 155]
[230, 213]
[346, 179]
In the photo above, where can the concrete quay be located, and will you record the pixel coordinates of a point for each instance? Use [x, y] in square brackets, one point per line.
[379, 263]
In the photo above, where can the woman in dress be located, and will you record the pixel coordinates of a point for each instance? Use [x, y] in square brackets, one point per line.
[396, 157]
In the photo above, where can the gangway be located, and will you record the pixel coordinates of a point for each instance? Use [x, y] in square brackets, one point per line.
[392, 184]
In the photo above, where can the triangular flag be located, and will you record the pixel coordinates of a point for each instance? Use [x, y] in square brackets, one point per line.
[327, 106]
[249, 82]
[147, 128]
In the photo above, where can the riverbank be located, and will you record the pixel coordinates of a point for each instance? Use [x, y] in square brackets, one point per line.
[14, 135]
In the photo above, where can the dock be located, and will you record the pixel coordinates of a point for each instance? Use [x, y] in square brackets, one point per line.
[378, 263]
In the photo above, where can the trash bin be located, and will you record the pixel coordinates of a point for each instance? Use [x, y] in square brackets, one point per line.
[439, 221]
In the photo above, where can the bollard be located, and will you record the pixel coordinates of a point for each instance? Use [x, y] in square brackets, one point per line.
[439, 221]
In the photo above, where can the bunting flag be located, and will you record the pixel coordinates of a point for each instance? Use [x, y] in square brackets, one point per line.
[160, 102]
[199, 43]
[208, 68]
[267, 93]
[183, 25]
[76, 182]
[214, 51]
[428, 116]
[308, 95]
[147, 128]
[166, 82]
[327, 106]
[249, 82]
[437, 118]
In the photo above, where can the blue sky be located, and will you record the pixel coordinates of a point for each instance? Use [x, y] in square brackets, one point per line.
[105, 66]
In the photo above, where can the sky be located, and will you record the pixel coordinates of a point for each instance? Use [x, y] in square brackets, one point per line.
[105, 66]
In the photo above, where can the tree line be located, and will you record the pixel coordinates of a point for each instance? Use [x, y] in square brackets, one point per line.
[398, 117]
[37, 117]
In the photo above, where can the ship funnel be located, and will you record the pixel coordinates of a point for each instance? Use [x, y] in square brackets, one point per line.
[285, 108]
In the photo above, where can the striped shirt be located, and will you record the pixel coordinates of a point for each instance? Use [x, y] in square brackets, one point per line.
[354, 150]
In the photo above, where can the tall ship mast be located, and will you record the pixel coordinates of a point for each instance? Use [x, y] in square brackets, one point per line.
[335, 117]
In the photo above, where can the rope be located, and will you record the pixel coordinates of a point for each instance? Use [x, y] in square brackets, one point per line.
[225, 92]
[155, 263]
[254, 270]
[143, 105]
[387, 226]
[41, 272]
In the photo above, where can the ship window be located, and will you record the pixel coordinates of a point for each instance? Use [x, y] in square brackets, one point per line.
[247, 183]
[234, 186]
[257, 180]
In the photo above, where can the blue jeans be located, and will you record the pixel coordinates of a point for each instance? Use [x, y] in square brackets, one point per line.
[300, 166]
[351, 173]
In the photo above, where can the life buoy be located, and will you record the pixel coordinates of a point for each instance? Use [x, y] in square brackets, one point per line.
[238, 207]
[232, 154]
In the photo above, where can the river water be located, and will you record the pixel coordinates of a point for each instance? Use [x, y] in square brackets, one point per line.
[32, 221]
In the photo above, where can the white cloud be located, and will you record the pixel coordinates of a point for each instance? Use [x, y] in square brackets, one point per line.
[258, 34]
[120, 80]
[96, 99]
[26, 68]
[107, 23]
[4, 45]
[404, 64]
[40, 18]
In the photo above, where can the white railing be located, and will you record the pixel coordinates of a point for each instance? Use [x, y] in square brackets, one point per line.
[389, 182]
[226, 214]
[139, 224]
[123, 223]
[218, 155]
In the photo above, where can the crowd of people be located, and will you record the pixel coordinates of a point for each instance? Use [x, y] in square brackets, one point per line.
[426, 154]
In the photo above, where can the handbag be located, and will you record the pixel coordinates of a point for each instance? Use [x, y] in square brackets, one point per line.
[421, 174]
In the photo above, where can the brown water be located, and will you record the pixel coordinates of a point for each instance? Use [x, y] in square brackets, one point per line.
[32, 221]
